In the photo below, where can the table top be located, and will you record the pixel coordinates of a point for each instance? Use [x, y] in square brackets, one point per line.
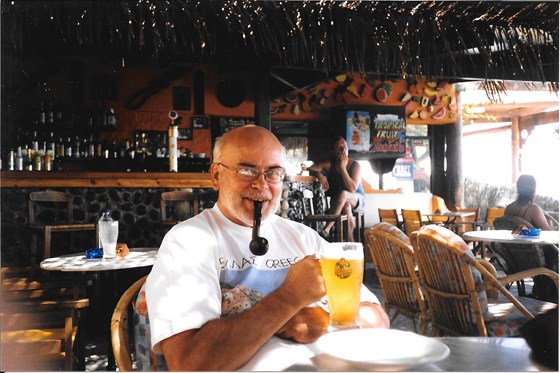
[546, 237]
[466, 354]
[138, 257]
[451, 214]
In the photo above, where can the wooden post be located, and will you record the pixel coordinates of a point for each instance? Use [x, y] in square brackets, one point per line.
[262, 95]
[515, 148]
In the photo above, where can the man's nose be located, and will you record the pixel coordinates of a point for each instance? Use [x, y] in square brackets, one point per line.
[260, 182]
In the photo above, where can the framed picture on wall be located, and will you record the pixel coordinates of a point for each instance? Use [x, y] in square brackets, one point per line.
[199, 122]
[185, 134]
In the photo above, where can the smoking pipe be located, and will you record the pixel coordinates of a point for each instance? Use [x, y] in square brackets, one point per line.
[258, 245]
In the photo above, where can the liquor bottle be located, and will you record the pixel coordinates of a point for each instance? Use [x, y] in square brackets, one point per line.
[11, 160]
[51, 145]
[50, 114]
[60, 151]
[19, 159]
[76, 148]
[42, 114]
[68, 148]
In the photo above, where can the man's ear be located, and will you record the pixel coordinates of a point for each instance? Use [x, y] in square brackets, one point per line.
[215, 172]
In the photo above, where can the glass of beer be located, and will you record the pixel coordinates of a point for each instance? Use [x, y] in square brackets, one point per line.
[342, 264]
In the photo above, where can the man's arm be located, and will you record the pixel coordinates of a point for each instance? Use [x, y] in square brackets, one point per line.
[228, 343]
[319, 170]
[373, 316]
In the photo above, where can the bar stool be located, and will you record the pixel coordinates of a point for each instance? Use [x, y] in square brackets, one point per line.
[312, 220]
[176, 206]
[39, 202]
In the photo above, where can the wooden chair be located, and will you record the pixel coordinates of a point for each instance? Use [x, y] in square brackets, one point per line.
[40, 323]
[519, 257]
[316, 221]
[493, 213]
[393, 258]
[61, 221]
[439, 206]
[457, 286]
[390, 216]
[176, 206]
[120, 335]
[412, 220]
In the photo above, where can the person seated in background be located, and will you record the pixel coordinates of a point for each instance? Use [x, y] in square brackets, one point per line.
[524, 207]
[341, 178]
[212, 303]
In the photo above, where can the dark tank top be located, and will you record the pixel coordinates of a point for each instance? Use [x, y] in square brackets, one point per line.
[335, 181]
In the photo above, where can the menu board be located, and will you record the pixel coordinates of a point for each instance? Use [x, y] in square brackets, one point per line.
[388, 134]
[375, 132]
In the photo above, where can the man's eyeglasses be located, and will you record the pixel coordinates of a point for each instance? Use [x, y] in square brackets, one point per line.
[272, 175]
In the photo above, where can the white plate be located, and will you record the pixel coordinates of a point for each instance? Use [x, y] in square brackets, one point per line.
[386, 349]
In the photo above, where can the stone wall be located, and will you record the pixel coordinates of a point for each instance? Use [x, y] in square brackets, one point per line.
[136, 209]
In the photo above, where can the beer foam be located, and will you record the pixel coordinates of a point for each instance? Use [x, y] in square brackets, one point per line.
[347, 250]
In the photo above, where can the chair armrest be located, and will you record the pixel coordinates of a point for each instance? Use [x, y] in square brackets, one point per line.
[529, 273]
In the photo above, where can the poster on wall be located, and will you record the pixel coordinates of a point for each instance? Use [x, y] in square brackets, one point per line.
[388, 131]
[358, 131]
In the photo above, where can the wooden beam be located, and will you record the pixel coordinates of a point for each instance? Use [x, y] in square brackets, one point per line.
[515, 146]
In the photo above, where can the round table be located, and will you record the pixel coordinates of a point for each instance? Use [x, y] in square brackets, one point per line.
[137, 258]
[505, 236]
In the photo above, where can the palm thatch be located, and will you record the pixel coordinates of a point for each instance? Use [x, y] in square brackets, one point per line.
[459, 40]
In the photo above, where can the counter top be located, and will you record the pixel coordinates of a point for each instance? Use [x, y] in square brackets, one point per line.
[57, 179]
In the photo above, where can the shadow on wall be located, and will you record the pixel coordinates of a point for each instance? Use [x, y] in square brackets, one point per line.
[483, 195]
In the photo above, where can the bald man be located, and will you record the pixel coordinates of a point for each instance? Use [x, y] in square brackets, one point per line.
[212, 303]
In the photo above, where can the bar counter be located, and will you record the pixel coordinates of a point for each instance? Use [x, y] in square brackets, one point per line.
[58, 179]
[133, 198]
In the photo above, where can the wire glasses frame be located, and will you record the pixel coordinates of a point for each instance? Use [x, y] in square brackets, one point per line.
[273, 175]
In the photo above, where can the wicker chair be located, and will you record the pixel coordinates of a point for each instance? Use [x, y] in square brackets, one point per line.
[120, 327]
[393, 258]
[457, 287]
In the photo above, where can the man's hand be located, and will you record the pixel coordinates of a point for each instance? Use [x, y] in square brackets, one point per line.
[306, 326]
[341, 160]
[304, 282]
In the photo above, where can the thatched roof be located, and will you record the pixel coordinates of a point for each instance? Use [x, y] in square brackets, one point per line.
[453, 40]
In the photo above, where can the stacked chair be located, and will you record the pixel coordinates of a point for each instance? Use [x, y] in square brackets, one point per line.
[393, 258]
[41, 321]
[465, 296]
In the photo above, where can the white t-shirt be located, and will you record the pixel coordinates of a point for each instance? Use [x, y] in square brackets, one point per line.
[208, 253]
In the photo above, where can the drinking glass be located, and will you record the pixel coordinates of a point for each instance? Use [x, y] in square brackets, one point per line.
[342, 264]
[109, 234]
